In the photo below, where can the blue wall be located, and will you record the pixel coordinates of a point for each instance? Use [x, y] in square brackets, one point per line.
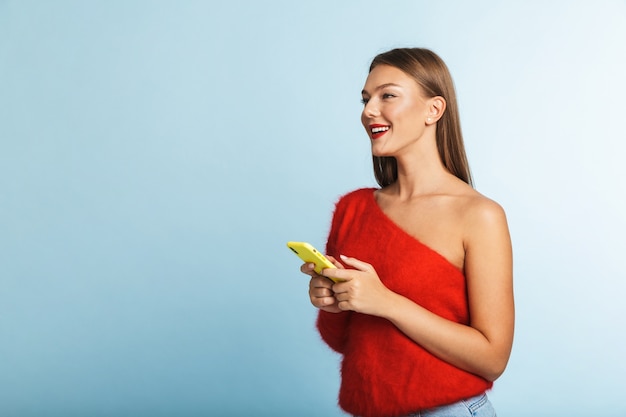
[154, 158]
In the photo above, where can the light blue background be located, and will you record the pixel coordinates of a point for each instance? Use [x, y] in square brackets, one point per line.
[154, 158]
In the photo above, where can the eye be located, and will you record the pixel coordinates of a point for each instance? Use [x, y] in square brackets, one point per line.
[387, 95]
[364, 100]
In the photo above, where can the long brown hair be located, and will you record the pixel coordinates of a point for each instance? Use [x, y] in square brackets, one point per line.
[432, 74]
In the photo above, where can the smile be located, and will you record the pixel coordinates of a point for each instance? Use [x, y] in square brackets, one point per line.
[378, 130]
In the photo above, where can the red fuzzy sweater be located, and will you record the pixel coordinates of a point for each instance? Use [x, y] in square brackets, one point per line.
[384, 373]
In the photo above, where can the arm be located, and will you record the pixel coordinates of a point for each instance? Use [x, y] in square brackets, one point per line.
[482, 347]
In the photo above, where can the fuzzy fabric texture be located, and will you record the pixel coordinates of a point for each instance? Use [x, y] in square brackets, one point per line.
[384, 373]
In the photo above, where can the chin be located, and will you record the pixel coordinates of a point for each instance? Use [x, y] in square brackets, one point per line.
[381, 154]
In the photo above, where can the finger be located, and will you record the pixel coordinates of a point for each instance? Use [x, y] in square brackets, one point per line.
[308, 268]
[337, 274]
[323, 302]
[335, 262]
[359, 265]
[319, 281]
[321, 292]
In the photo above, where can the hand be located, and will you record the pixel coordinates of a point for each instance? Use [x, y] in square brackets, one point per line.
[320, 288]
[360, 289]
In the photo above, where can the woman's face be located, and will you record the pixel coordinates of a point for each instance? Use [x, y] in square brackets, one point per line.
[395, 110]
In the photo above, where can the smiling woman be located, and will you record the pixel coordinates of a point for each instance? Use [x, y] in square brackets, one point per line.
[431, 75]
[422, 307]
[146, 146]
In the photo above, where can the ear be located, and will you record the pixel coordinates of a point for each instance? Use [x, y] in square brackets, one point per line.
[436, 108]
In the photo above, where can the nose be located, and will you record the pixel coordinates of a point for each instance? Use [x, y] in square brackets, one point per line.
[370, 110]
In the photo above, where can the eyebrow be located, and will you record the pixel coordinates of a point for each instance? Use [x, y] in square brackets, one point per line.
[380, 87]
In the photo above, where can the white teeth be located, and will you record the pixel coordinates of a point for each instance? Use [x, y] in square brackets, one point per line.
[380, 129]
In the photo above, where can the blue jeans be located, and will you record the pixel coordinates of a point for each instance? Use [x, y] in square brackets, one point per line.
[478, 406]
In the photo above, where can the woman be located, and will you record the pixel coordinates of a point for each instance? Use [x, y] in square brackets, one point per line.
[423, 313]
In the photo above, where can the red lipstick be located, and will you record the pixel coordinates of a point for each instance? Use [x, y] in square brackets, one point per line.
[376, 130]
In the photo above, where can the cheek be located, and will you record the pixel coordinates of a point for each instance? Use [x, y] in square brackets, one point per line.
[407, 116]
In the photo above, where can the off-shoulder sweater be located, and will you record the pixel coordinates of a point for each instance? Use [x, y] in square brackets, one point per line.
[384, 372]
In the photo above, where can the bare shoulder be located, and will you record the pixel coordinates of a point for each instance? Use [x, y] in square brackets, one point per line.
[483, 218]
[473, 207]
[480, 209]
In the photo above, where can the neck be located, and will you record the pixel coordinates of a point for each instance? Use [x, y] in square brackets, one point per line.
[421, 171]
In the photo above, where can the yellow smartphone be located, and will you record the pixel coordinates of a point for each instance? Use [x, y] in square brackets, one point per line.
[308, 253]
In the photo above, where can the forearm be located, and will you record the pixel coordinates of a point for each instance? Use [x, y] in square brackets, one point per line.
[460, 345]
